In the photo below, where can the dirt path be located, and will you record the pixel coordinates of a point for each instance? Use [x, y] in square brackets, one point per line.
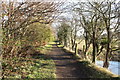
[66, 65]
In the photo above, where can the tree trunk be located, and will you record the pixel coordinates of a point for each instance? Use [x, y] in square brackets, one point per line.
[65, 42]
[94, 48]
[86, 45]
[76, 49]
[107, 23]
[106, 63]
[72, 45]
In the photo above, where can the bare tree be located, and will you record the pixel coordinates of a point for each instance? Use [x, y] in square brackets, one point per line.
[108, 11]
[18, 15]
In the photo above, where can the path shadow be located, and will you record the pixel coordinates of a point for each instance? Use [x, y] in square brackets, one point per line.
[66, 64]
[61, 58]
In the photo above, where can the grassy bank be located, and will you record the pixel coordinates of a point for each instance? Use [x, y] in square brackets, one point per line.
[93, 71]
[39, 65]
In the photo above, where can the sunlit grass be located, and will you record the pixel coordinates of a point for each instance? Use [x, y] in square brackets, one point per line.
[44, 49]
[42, 69]
[60, 45]
[52, 42]
[48, 46]
[32, 68]
[36, 66]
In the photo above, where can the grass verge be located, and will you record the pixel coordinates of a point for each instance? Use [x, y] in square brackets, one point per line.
[93, 71]
[38, 66]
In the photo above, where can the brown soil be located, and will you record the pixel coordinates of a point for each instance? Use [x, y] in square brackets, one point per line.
[66, 65]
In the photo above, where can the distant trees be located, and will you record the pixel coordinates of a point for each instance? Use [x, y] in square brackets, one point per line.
[63, 34]
[74, 28]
